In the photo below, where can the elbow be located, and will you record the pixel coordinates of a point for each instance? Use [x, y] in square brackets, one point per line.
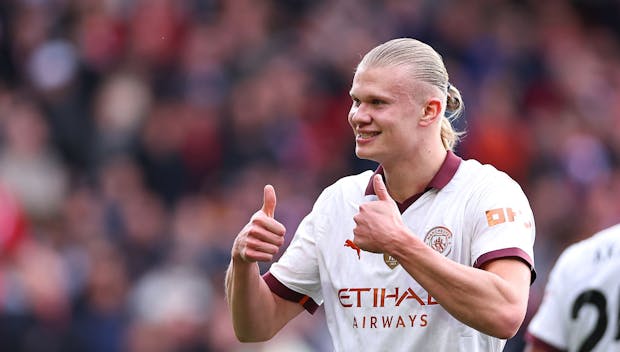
[507, 332]
[252, 336]
[507, 324]
[249, 339]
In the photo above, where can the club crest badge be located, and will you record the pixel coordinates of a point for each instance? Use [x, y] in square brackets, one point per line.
[390, 261]
[440, 239]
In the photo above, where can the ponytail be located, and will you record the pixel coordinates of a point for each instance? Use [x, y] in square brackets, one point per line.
[454, 109]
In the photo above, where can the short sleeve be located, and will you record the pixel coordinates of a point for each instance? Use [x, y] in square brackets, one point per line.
[503, 224]
[298, 268]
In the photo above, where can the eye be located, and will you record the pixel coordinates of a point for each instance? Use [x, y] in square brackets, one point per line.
[377, 102]
[356, 102]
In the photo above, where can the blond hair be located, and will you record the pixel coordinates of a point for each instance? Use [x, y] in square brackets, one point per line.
[426, 65]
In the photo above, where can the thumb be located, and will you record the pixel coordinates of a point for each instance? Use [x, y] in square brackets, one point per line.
[380, 188]
[269, 201]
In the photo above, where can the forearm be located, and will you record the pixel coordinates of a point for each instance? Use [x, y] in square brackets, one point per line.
[250, 302]
[478, 298]
[257, 313]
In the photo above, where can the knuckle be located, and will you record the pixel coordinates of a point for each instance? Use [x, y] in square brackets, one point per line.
[272, 250]
[245, 255]
[256, 232]
[253, 243]
[252, 231]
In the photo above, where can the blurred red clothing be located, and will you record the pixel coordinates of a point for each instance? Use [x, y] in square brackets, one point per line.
[13, 223]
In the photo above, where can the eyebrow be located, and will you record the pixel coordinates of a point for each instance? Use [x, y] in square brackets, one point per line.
[373, 96]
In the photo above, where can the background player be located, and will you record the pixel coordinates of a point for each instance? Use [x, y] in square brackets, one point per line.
[447, 254]
[581, 307]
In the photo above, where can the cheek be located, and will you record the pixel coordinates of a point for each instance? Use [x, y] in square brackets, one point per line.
[350, 117]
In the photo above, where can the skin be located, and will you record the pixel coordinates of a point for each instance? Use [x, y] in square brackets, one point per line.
[395, 122]
[257, 313]
[391, 127]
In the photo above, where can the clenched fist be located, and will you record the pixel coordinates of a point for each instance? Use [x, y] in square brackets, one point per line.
[377, 222]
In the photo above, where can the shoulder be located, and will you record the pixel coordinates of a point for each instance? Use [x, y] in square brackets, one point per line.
[608, 239]
[610, 235]
[474, 171]
[579, 257]
[484, 181]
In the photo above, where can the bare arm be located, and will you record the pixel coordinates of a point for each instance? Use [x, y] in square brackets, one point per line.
[257, 313]
[492, 299]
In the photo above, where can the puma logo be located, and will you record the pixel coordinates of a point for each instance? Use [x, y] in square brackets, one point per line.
[349, 243]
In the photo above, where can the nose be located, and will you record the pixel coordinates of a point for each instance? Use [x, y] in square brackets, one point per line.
[359, 115]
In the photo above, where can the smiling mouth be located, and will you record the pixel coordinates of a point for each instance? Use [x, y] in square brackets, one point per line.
[366, 135]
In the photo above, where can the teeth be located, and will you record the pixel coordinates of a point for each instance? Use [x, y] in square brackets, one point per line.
[366, 134]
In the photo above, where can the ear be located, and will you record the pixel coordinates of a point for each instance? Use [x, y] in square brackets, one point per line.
[431, 113]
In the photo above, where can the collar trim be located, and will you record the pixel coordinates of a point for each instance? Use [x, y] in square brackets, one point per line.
[446, 172]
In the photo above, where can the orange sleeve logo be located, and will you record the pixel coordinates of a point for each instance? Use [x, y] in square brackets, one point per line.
[501, 215]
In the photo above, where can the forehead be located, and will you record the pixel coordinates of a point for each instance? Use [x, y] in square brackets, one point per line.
[384, 80]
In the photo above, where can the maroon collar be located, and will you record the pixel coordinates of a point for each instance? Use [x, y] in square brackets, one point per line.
[440, 180]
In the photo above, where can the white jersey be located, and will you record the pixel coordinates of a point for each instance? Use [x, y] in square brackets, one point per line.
[471, 213]
[581, 308]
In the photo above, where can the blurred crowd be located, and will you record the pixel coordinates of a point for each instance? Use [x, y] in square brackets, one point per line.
[136, 137]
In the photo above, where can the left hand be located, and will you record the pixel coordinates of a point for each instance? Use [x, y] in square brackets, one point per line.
[377, 222]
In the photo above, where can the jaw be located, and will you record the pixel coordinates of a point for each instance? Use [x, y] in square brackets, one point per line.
[366, 152]
[366, 145]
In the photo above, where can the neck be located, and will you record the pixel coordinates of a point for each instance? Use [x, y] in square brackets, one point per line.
[411, 176]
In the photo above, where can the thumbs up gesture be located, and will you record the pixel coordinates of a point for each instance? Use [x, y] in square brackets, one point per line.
[269, 201]
[377, 222]
[263, 236]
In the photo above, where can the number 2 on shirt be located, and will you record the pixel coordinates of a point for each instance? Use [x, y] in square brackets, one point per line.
[599, 301]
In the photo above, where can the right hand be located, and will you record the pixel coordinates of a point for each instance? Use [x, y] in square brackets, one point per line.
[263, 236]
